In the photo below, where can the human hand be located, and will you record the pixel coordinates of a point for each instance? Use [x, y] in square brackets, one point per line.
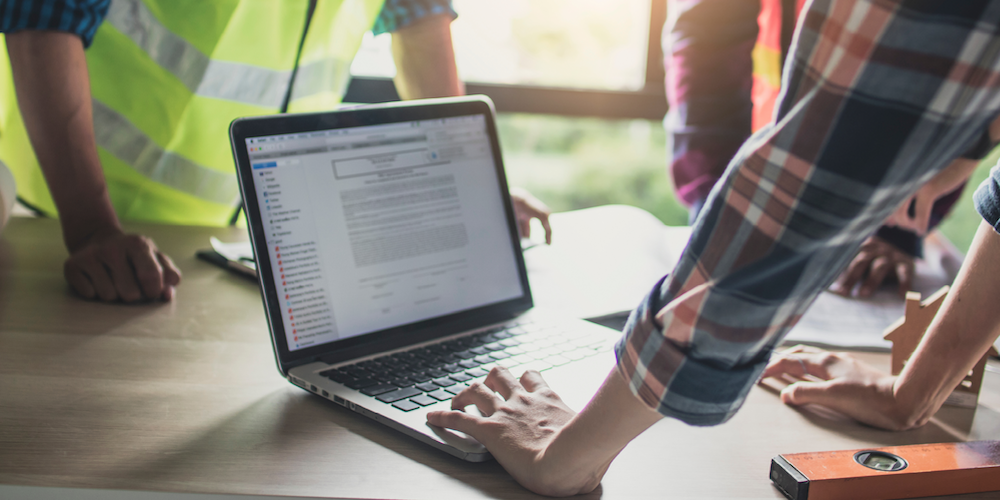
[527, 207]
[922, 202]
[116, 266]
[876, 261]
[517, 429]
[840, 382]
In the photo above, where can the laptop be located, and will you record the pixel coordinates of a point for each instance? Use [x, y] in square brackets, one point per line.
[390, 264]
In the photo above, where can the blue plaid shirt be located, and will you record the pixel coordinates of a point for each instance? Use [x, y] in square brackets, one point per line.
[877, 97]
[82, 17]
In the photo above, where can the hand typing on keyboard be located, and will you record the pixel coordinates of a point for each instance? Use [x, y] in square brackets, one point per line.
[435, 373]
[523, 410]
[542, 443]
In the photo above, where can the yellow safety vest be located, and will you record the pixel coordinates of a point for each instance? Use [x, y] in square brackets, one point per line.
[167, 77]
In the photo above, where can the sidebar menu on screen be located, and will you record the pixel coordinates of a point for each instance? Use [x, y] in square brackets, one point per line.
[292, 247]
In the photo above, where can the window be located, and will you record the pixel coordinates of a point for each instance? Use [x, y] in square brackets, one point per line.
[568, 57]
[546, 64]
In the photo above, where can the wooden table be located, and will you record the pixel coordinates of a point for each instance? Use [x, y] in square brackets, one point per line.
[185, 397]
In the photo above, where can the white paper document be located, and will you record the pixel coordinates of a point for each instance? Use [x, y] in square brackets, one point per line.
[602, 261]
[839, 322]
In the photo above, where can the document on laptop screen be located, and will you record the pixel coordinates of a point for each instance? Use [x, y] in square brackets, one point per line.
[374, 227]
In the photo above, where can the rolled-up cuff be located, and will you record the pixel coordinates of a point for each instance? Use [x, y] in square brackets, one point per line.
[398, 14]
[668, 379]
[78, 17]
[987, 199]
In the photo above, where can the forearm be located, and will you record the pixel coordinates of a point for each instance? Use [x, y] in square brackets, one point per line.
[53, 92]
[425, 59]
[960, 334]
[575, 461]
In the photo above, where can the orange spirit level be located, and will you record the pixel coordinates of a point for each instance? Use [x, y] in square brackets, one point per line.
[888, 473]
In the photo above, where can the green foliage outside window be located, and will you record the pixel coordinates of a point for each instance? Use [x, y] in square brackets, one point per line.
[573, 163]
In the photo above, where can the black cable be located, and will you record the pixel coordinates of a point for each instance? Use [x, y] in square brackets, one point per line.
[291, 84]
[298, 55]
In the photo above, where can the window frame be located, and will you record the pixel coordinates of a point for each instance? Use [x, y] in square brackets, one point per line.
[648, 103]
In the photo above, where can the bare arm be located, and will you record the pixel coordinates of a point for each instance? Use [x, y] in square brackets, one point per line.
[538, 439]
[965, 327]
[425, 59]
[53, 92]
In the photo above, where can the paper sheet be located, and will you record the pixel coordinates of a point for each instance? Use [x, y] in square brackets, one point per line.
[602, 260]
[838, 322]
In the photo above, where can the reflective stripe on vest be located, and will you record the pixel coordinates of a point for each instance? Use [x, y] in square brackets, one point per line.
[203, 76]
[124, 141]
[167, 77]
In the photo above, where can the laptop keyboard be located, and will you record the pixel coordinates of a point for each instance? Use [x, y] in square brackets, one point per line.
[427, 375]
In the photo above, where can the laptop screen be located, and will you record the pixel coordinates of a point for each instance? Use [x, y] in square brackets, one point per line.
[373, 227]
